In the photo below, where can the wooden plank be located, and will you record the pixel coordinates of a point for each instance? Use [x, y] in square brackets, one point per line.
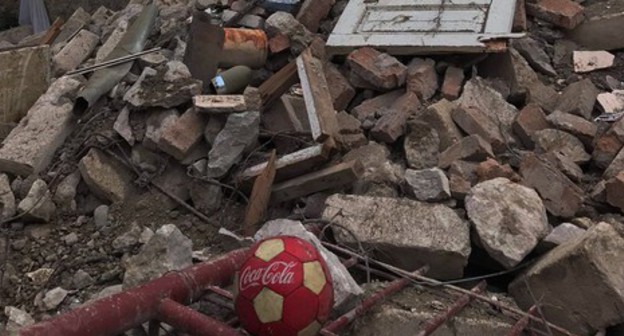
[53, 31]
[332, 177]
[260, 197]
[319, 103]
[220, 104]
[278, 84]
[292, 165]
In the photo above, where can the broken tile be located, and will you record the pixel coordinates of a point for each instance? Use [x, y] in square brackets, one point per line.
[588, 61]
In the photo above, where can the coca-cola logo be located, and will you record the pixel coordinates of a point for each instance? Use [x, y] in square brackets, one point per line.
[276, 273]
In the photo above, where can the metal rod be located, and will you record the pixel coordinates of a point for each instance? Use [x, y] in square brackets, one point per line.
[437, 321]
[519, 327]
[434, 282]
[364, 306]
[112, 62]
[220, 291]
[115, 314]
[190, 321]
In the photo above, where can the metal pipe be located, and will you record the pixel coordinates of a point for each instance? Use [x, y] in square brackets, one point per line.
[104, 80]
[112, 62]
[248, 47]
[192, 322]
[434, 323]
[519, 327]
[364, 306]
[118, 313]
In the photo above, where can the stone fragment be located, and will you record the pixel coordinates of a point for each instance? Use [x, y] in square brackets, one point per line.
[53, 298]
[38, 205]
[611, 102]
[391, 126]
[474, 122]
[70, 239]
[508, 218]
[599, 31]
[471, 148]
[129, 238]
[286, 24]
[579, 98]
[588, 61]
[168, 250]
[421, 146]
[414, 233]
[41, 276]
[563, 13]
[428, 185]
[380, 172]
[422, 78]
[176, 71]
[350, 134]
[552, 140]
[368, 111]
[562, 234]
[491, 169]
[340, 89]
[75, 52]
[535, 54]
[530, 120]
[206, 197]
[100, 216]
[180, 137]
[568, 167]
[606, 149]
[615, 191]
[151, 90]
[583, 129]
[591, 263]
[561, 196]
[31, 145]
[7, 198]
[453, 83]
[17, 319]
[82, 280]
[240, 132]
[65, 194]
[79, 19]
[113, 40]
[438, 116]
[312, 12]
[379, 69]
[122, 126]
[156, 123]
[106, 178]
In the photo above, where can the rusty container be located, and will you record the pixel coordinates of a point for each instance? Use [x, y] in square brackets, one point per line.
[248, 47]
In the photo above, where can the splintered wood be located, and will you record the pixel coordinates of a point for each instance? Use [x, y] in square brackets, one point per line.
[260, 197]
[278, 84]
[319, 103]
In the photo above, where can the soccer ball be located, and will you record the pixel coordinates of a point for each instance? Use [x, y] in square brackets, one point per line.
[283, 289]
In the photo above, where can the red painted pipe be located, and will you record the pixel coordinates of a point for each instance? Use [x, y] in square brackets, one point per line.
[192, 322]
[118, 313]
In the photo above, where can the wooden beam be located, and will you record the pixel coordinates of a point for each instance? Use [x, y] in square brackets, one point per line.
[332, 177]
[260, 197]
[278, 84]
[220, 104]
[52, 32]
[291, 165]
[319, 103]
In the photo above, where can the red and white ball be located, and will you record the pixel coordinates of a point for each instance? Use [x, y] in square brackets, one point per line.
[284, 289]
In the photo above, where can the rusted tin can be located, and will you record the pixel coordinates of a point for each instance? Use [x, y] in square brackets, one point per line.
[248, 47]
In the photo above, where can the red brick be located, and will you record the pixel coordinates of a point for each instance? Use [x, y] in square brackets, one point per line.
[312, 12]
[380, 70]
[615, 191]
[530, 120]
[179, 138]
[369, 109]
[472, 148]
[564, 13]
[474, 121]
[422, 78]
[605, 150]
[491, 169]
[392, 125]
[279, 43]
[453, 83]
[340, 89]
[578, 126]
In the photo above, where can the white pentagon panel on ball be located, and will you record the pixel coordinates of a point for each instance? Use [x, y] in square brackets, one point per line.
[270, 249]
[269, 306]
[314, 277]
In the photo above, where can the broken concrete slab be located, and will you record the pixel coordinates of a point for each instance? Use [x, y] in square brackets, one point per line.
[588, 61]
[421, 146]
[508, 218]
[180, 137]
[38, 205]
[561, 196]
[563, 13]
[168, 250]
[600, 30]
[422, 78]
[151, 90]
[414, 233]
[439, 117]
[381, 175]
[157, 122]
[113, 40]
[79, 19]
[535, 54]
[552, 140]
[122, 126]
[240, 132]
[428, 185]
[368, 111]
[589, 262]
[378, 69]
[31, 145]
[26, 76]
[530, 120]
[579, 98]
[106, 178]
[78, 50]
[471, 148]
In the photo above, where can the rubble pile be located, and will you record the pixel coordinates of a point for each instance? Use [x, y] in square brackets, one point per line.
[130, 137]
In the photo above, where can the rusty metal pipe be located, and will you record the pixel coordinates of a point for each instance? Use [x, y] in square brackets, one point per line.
[192, 322]
[118, 313]
[519, 327]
